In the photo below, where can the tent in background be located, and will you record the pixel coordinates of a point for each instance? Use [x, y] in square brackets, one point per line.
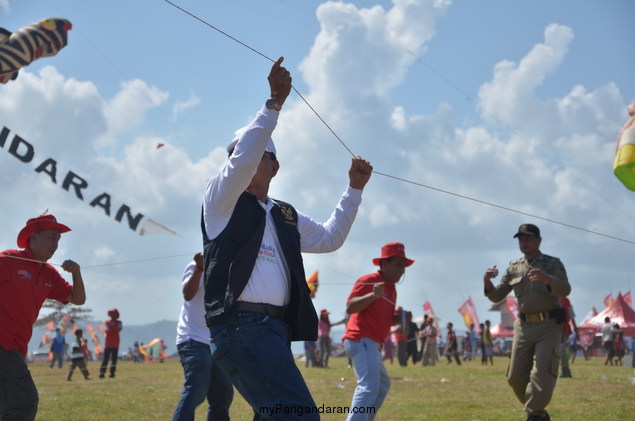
[500, 331]
[619, 312]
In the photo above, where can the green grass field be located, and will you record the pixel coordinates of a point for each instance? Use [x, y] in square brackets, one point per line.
[470, 392]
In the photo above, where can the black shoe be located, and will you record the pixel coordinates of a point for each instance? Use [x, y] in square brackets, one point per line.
[568, 375]
[101, 376]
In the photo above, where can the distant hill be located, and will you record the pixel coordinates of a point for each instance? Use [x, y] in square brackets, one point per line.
[130, 334]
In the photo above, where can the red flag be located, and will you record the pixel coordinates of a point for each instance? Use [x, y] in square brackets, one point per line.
[468, 312]
[427, 308]
[312, 283]
[513, 308]
[627, 297]
[608, 300]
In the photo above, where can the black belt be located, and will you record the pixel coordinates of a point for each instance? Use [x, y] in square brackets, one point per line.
[537, 317]
[268, 309]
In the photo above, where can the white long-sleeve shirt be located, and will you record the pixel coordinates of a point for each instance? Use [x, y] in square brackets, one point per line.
[269, 280]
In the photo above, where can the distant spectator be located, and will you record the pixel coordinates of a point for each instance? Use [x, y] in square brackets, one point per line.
[78, 356]
[473, 341]
[429, 335]
[411, 333]
[111, 347]
[324, 337]
[618, 344]
[607, 340]
[57, 348]
[487, 343]
[451, 345]
[309, 353]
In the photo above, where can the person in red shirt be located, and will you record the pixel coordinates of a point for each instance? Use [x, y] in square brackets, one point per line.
[568, 327]
[111, 347]
[371, 305]
[26, 280]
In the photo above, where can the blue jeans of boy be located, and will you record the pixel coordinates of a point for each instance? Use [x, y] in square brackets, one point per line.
[373, 382]
[254, 351]
[202, 379]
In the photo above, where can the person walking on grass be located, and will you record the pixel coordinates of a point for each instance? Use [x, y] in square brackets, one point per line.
[79, 356]
[539, 282]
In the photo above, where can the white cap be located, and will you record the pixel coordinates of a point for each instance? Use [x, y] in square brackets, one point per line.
[238, 134]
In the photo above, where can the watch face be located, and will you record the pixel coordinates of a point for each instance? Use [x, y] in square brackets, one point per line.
[272, 104]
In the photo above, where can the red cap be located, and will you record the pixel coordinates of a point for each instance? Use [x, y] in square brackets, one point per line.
[324, 311]
[113, 313]
[393, 250]
[37, 224]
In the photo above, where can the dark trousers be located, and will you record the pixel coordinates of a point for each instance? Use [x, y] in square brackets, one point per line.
[18, 395]
[78, 362]
[112, 354]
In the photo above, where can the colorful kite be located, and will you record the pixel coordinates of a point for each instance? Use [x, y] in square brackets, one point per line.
[624, 164]
[40, 39]
[154, 350]
[312, 283]
[95, 338]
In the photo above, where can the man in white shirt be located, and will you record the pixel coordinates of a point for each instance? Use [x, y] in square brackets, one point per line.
[203, 378]
[256, 297]
[607, 340]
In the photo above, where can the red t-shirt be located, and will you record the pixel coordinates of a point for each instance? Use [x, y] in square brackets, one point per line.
[112, 333]
[375, 320]
[24, 286]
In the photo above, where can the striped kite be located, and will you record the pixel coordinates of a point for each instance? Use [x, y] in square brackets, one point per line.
[40, 39]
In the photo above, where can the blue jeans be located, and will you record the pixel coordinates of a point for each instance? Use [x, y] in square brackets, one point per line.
[373, 382]
[254, 350]
[202, 379]
[18, 395]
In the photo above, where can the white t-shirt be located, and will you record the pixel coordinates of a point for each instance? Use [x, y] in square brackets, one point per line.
[192, 323]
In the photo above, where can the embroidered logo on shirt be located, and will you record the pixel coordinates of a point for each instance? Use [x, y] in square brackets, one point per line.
[287, 212]
[24, 274]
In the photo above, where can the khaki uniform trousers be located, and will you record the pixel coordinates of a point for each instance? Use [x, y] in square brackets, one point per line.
[533, 368]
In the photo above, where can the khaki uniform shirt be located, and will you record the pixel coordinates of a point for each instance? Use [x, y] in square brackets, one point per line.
[533, 297]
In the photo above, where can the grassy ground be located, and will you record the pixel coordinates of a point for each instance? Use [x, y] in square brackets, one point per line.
[470, 392]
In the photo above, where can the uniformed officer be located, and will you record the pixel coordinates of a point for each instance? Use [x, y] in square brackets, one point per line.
[538, 281]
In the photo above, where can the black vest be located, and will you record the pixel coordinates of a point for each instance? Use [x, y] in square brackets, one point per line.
[230, 259]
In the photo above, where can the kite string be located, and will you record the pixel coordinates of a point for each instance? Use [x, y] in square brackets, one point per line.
[391, 176]
[102, 265]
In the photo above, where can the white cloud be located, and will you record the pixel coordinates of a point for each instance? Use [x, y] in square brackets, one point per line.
[127, 108]
[182, 106]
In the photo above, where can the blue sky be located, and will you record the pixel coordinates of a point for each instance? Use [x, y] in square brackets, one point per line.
[514, 103]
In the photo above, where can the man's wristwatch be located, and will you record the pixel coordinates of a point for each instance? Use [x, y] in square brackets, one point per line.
[273, 104]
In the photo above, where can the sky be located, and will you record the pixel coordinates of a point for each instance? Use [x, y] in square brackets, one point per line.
[458, 106]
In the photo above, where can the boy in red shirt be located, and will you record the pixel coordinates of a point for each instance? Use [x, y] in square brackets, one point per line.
[111, 347]
[26, 280]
